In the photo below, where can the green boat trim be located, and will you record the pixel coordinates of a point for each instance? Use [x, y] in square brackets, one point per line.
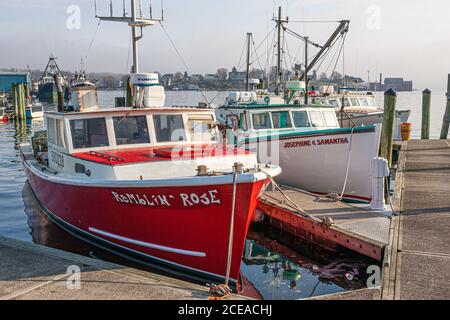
[307, 134]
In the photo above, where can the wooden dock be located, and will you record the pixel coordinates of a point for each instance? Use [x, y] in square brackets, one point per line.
[355, 227]
[418, 255]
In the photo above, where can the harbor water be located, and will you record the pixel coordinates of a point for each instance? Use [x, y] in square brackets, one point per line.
[274, 267]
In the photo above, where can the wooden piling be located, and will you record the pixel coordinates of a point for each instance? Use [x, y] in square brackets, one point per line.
[387, 134]
[14, 100]
[21, 101]
[446, 119]
[426, 103]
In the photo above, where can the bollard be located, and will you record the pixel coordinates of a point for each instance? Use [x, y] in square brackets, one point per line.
[387, 134]
[379, 170]
[426, 103]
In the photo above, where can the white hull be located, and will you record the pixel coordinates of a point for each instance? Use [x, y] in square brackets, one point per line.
[317, 162]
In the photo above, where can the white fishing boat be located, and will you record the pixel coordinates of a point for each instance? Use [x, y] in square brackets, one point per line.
[34, 110]
[314, 152]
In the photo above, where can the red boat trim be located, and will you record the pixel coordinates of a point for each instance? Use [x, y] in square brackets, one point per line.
[148, 245]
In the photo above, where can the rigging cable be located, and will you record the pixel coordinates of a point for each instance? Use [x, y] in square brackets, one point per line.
[92, 41]
[182, 60]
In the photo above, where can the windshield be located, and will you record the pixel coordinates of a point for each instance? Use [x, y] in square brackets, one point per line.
[131, 130]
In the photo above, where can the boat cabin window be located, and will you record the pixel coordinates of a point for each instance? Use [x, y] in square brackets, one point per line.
[89, 133]
[60, 134]
[243, 121]
[330, 119]
[334, 102]
[169, 128]
[37, 108]
[301, 119]
[201, 127]
[281, 120]
[131, 130]
[317, 119]
[355, 102]
[51, 131]
[371, 102]
[261, 121]
[347, 102]
[363, 102]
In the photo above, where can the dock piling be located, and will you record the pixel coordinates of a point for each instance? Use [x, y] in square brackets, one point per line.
[387, 134]
[426, 103]
[446, 119]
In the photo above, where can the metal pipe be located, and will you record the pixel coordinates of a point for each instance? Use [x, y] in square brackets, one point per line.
[306, 71]
[135, 38]
[247, 74]
[279, 61]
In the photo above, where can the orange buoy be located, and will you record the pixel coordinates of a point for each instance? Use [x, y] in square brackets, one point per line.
[406, 131]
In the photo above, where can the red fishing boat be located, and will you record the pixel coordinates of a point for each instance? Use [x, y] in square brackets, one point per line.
[151, 183]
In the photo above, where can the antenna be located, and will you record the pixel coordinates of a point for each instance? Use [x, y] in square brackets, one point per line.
[111, 8]
[134, 22]
[140, 8]
[95, 6]
[162, 10]
[124, 9]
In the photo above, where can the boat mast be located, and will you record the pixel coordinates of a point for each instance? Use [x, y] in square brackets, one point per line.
[280, 29]
[247, 74]
[306, 72]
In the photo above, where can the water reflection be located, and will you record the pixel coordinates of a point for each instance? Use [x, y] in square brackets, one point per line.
[279, 272]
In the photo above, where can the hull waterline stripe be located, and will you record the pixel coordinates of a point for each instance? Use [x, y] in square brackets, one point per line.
[148, 245]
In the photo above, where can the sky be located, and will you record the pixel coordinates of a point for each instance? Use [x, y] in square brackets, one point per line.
[399, 38]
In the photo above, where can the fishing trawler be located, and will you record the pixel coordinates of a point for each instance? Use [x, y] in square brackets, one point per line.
[151, 183]
[315, 153]
[47, 88]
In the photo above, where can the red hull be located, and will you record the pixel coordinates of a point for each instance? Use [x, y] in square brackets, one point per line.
[157, 223]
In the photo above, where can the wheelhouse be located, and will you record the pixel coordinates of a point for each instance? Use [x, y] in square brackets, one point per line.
[281, 118]
[125, 128]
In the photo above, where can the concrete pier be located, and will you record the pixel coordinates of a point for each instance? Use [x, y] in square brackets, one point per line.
[30, 272]
[418, 264]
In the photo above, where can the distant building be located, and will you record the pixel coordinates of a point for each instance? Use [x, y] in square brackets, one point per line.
[197, 77]
[210, 77]
[398, 84]
[7, 79]
[167, 80]
[236, 76]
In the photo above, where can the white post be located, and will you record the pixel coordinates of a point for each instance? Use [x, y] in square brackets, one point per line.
[379, 171]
